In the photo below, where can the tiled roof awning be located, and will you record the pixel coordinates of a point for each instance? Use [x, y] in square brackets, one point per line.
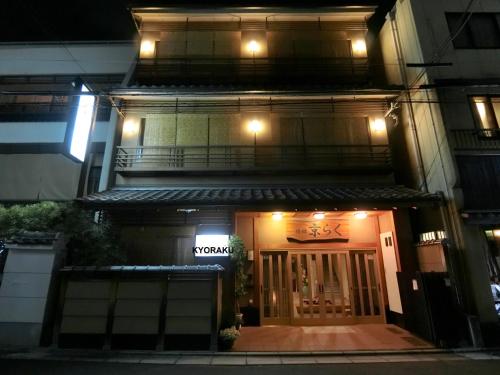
[273, 196]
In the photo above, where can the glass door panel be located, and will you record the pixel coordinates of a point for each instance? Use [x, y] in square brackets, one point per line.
[274, 288]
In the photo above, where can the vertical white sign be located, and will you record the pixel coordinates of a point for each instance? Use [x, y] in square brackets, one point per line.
[82, 126]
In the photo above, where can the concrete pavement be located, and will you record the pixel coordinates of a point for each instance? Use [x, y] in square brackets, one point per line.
[439, 365]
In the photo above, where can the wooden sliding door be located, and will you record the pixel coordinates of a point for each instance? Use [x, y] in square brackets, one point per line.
[320, 287]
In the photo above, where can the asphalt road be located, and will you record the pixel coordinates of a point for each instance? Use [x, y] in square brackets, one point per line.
[36, 367]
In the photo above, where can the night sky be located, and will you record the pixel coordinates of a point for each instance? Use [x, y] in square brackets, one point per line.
[80, 20]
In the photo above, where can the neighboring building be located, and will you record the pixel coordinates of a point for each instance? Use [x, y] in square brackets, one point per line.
[268, 122]
[451, 114]
[37, 114]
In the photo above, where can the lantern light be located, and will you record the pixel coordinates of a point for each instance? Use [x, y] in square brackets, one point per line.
[360, 215]
[277, 216]
[319, 215]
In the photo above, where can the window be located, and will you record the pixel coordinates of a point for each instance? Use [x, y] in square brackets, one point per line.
[487, 114]
[43, 108]
[482, 30]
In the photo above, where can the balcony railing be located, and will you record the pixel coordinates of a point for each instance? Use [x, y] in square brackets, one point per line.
[476, 139]
[248, 70]
[241, 158]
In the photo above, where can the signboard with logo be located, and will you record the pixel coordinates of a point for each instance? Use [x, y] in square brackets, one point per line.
[317, 231]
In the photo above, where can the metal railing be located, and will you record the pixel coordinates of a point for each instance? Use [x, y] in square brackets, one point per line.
[241, 70]
[230, 157]
[476, 139]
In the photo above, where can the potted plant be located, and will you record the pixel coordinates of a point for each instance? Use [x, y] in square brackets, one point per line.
[239, 262]
[227, 337]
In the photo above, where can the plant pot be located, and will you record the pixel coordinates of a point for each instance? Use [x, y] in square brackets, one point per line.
[226, 344]
[238, 320]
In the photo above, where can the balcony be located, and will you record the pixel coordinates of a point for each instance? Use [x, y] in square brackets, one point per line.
[177, 71]
[476, 140]
[346, 158]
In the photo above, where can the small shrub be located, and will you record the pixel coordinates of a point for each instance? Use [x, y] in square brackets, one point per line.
[227, 337]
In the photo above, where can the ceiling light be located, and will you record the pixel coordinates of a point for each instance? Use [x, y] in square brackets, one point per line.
[319, 215]
[360, 215]
[277, 216]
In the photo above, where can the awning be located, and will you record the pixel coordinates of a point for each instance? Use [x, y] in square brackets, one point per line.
[285, 197]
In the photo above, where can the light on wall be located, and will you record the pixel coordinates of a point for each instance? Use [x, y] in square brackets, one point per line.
[253, 47]
[359, 47]
[378, 125]
[255, 126]
[319, 215]
[147, 48]
[130, 127]
[277, 216]
[360, 215]
[496, 233]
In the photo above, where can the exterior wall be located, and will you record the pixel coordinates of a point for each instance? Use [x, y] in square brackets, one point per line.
[24, 292]
[420, 28]
[33, 177]
[70, 58]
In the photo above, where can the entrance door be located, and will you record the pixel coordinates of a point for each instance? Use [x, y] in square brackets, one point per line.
[320, 287]
[368, 306]
[275, 308]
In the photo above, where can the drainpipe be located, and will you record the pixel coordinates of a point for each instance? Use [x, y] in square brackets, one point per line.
[407, 95]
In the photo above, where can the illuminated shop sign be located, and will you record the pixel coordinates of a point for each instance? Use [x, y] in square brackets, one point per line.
[317, 231]
[83, 124]
[212, 245]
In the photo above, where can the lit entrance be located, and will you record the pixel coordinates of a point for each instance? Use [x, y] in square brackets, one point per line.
[320, 287]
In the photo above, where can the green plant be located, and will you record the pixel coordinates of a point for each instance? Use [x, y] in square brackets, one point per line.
[88, 243]
[42, 217]
[239, 262]
[227, 337]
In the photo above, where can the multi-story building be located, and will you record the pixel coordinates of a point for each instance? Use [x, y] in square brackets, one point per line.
[446, 54]
[270, 122]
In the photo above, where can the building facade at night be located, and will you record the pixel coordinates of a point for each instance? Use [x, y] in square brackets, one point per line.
[447, 55]
[346, 159]
[269, 124]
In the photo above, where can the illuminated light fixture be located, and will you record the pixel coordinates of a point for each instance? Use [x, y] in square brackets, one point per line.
[130, 127]
[496, 233]
[253, 46]
[319, 215]
[277, 216]
[481, 110]
[83, 125]
[378, 125]
[359, 47]
[255, 126]
[147, 48]
[360, 215]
